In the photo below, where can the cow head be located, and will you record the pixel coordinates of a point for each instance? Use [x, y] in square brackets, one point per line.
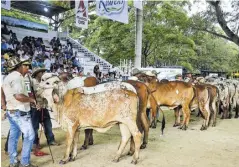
[49, 89]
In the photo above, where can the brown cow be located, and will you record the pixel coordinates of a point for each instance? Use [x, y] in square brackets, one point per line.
[95, 111]
[171, 94]
[206, 100]
[146, 100]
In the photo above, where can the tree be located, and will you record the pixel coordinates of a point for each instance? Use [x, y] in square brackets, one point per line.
[228, 20]
[168, 38]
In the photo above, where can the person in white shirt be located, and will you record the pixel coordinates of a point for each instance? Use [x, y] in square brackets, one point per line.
[18, 111]
[53, 59]
[47, 63]
[24, 56]
[20, 52]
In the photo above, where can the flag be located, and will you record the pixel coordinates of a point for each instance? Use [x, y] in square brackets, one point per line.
[113, 9]
[81, 9]
[6, 4]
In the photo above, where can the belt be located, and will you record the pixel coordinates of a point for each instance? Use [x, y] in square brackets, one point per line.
[22, 113]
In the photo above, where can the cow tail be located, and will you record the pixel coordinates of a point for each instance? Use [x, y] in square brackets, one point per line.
[218, 102]
[195, 95]
[163, 122]
[210, 98]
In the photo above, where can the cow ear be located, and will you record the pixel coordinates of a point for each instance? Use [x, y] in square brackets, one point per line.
[56, 98]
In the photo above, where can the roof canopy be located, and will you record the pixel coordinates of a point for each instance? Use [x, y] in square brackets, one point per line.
[40, 7]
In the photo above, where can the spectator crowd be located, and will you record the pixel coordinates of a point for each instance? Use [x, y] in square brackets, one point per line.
[55, 57]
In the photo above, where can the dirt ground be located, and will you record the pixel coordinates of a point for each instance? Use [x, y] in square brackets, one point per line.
[216, 147]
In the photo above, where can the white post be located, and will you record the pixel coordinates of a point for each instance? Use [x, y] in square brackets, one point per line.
[120, 65]
[138, 38]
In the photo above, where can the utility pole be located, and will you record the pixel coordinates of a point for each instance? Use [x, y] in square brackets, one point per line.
[138, 38]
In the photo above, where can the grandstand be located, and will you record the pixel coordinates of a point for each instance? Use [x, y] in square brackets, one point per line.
[86, 58]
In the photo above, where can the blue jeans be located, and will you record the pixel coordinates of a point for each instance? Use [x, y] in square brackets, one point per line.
[46, 120]
[20, 124]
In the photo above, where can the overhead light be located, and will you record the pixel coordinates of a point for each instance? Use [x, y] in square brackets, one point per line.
[45, 9]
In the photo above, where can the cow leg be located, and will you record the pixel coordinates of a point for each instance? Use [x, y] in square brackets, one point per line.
[177, 117]
[69, 139]
[74, 150]
[137, 141]
[215, 108]
[206, 114]
[125, 133]
[224, 112]
[132, 146]
[91, 140]
[237, 111]
[145, 126]
[229, 116]
[186, 117]
[87, 139]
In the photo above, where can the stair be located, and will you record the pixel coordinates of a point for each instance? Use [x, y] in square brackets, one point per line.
[87, 58]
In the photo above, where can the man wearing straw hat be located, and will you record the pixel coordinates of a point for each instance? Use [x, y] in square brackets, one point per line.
[18, 111]
[43, 116]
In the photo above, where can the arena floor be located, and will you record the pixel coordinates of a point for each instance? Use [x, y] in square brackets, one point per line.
[216, 147]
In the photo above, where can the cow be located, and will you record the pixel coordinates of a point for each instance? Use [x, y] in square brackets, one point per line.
[146, 100]
[214, 102]
[88, 82]
[97, 110]
[171, 94]
[233, 90]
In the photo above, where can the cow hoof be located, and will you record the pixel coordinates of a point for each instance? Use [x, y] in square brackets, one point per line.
[83, 147]
[230, 116]
[115, 160]
[130, 153]
[236, 116]
[134, 162]
[214, 125]
[176, 124]
[62, 162]
[143, 146]
[183, 127]
[203, 128]
[72, 159]
[91, 143]
[154, 127]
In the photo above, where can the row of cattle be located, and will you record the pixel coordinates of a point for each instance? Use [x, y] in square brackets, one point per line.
[86, 105]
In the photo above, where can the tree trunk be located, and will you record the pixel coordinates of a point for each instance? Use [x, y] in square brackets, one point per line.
[222, 22]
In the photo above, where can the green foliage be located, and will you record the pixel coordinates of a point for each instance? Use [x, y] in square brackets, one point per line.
[168, 39]
[21, 15]
[61, 3]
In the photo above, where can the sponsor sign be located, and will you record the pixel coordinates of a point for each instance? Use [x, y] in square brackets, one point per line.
[113, 9]
[81, 9]
[6, 4]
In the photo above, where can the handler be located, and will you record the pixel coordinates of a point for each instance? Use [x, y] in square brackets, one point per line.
[18, 112]
[43, 116]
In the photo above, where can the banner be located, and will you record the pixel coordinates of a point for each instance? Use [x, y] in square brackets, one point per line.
[6, 4]
[24, 24]
[138, 4]
[113, 9]
[81, 9]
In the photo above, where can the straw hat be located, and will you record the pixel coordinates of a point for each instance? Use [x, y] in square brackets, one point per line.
[12, 63]
[134, 78]
[135, 71]
[36, 70]
[149, 73]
